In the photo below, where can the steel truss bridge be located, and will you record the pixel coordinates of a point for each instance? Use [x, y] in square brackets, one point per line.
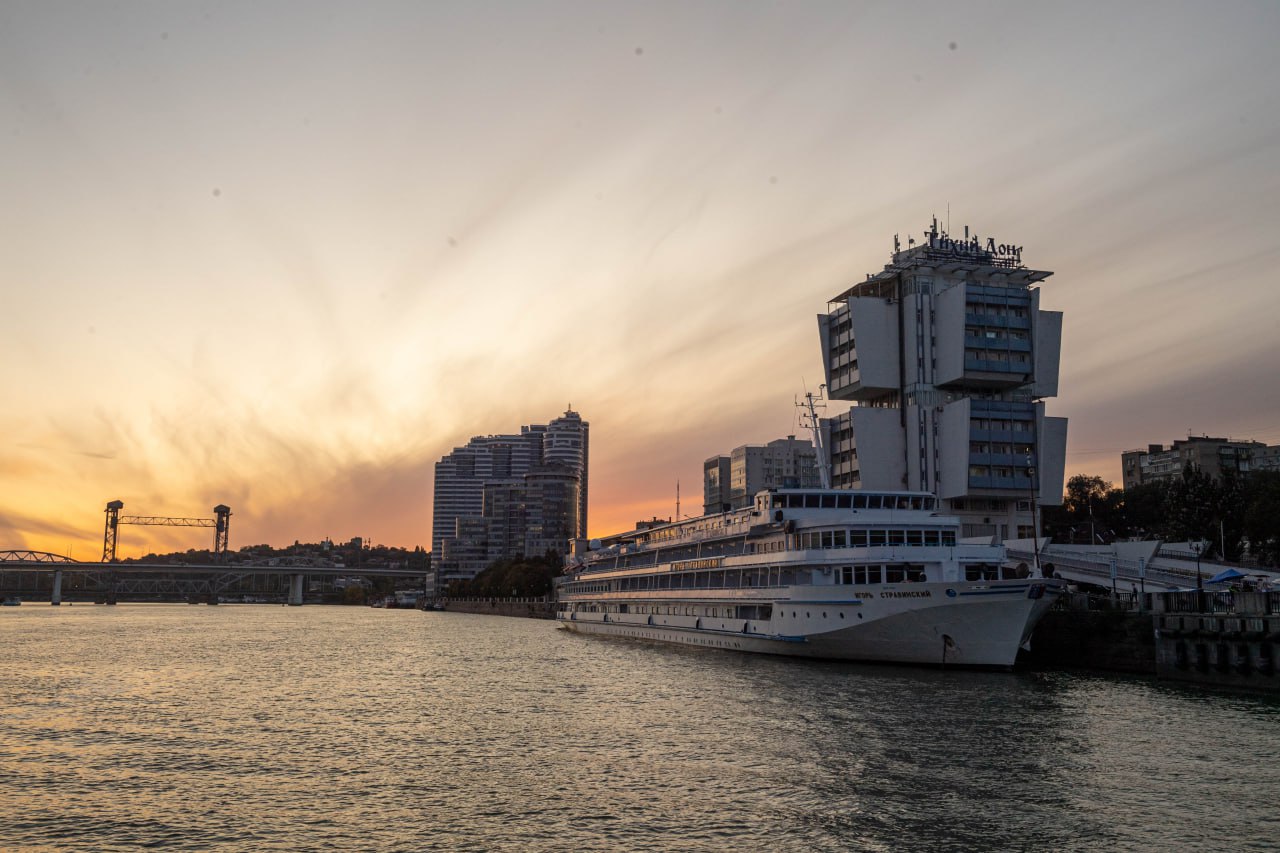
[38, 575]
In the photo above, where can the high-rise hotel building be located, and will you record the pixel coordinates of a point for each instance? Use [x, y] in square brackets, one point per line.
[947, 358]
[510, 496]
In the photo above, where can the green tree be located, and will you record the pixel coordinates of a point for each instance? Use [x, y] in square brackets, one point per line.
[1230, 511]
[514, 577]
[1260, 523]
[1146, 510]
[1092, 509]
[1193, 501]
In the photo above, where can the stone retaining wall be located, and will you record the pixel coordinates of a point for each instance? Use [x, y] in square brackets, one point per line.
[528, 608]
[1110, 640]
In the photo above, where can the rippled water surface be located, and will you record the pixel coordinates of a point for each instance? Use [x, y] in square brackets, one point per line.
[315, 728]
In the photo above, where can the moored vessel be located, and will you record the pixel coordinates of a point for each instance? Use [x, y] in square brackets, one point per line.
[853, 575]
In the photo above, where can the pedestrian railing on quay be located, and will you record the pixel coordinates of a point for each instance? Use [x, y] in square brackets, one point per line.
[1219, 560]
[1099, 602]
[1188, 601]
[1228, 601]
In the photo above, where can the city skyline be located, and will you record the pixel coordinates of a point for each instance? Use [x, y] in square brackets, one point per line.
[284, 258]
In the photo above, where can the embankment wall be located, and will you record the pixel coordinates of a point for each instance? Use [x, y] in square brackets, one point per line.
[528, 608]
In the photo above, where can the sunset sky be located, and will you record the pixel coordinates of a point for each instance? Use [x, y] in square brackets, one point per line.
[284, 256]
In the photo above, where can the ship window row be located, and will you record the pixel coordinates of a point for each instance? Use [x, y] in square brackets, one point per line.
[875, 538]
[748, 578]
[989, 572]
[748, 611]
[895, 573]
[668, 554]
[740, 611]
[667, 534]
[852, 501]
[580, 587]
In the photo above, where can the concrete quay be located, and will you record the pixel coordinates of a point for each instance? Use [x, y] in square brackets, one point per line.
[528, 608]
[1219, 639]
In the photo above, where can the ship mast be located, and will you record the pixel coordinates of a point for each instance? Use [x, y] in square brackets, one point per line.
[809, 418]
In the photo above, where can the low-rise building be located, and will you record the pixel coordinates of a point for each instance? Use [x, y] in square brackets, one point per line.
[1212, 456]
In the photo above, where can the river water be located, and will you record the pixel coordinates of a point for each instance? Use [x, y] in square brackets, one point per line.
[331, 728]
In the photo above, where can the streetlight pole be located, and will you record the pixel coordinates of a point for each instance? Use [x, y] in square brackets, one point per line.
[1195, 549]
[1035, 527]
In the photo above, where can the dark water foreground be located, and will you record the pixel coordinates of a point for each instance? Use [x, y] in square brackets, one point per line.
[328, 728]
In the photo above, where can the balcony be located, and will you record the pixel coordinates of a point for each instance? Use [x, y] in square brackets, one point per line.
[1007, 460]
[997, 344]
[1015, 483]
[994, 321]
[982, 365]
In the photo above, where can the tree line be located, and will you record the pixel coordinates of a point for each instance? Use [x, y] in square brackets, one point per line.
[513, 577]
[1237, 516]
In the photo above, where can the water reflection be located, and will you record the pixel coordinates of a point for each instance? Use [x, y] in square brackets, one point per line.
[277, 728]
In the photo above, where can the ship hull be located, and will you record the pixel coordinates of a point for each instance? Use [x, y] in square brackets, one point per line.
[979, 627]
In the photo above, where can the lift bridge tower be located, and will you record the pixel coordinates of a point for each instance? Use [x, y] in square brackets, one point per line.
[221, 523]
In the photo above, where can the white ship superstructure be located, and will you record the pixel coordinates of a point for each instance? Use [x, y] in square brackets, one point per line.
[857, 575]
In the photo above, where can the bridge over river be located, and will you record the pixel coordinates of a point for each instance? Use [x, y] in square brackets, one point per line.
[37, 575]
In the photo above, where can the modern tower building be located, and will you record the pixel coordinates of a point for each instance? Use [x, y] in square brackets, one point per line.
[947, 358]
[731, 482]
[509, 496]
[566, 443]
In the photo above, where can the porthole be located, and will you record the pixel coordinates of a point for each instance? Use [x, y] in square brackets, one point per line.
[859, 615]
[841, 614]
[806, 614]
[824, 614]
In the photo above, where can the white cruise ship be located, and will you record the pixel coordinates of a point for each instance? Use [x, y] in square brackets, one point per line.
[855, 575]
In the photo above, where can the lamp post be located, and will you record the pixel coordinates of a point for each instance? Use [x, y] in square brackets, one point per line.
[1196, 547]
[1035, 528]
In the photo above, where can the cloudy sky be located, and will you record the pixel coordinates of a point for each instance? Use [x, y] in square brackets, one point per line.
[284, 256]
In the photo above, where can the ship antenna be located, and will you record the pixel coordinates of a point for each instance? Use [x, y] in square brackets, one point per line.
[809, 418]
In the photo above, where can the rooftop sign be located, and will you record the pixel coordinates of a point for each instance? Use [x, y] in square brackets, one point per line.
[970, 247]
[974, 247]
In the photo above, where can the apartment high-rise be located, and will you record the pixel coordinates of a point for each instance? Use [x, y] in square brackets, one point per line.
[947, 358]
[1210, 455]
[565, 442]
[730, 482]
[509, 496]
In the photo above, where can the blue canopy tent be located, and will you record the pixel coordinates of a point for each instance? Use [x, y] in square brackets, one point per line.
[1227, 575]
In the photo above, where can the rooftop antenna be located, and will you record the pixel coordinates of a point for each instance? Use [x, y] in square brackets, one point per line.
[809, 418]
[677, 500]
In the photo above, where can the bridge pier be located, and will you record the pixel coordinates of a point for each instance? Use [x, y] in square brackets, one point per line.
[56, 597]
[296, 585]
